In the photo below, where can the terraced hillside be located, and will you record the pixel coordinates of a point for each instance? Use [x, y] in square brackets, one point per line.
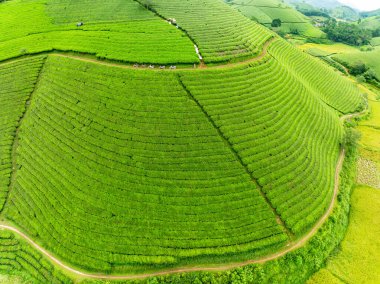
[118, 29]
[18, 255]
[265, 11]
[116, 169]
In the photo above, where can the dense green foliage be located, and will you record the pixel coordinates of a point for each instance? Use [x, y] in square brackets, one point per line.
[371, 13]
[347, 33]
[17, 81]
[18, 256]
[265, 12]
[376, 41]
[119, 30]
[372, 23]
[213, 25]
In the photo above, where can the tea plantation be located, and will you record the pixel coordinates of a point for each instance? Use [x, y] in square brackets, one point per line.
[119, 166]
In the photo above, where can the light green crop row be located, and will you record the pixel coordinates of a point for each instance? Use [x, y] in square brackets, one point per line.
[213, 25]
[109, 31]
[286, 136]
[17, 81]
[18, 256]
[326, 83]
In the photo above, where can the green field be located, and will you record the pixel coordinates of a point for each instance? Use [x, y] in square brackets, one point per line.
[117, 170]
[329, 49]
[264, 12]
[370, 58]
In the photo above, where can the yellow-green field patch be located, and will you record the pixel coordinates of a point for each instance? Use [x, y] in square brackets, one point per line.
[370, 137]
[358, 261]
[329, 48]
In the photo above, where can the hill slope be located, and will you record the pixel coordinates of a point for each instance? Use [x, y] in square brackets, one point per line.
[265, 12]
[117, 169]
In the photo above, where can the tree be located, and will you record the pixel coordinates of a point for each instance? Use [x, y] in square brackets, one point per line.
[358, 68]
[351, 138]
[348, 33]
[276, 23]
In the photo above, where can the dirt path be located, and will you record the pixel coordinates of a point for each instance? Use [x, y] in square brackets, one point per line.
[290, 247]
[157, 68]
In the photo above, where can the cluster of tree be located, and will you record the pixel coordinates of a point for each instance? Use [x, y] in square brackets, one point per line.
[362, 72]
[347, 33]
[376, 33]
[316, 13]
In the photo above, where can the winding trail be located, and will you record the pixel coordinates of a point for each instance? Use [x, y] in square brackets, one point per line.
[289, 248]
[260, 56]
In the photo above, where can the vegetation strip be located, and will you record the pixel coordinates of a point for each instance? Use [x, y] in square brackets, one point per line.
[291, 247]
[16, 137]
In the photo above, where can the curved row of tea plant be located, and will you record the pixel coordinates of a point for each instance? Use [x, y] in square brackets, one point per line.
[17, 81]
[213, 25]
[327, 84]
[288, 138]
[118, 30]
[120, 170]
[17, 256]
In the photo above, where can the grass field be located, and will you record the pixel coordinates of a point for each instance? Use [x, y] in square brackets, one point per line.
[370, 58]
[265, 12]
[358, 258]
[116, 170]
[329, 49]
